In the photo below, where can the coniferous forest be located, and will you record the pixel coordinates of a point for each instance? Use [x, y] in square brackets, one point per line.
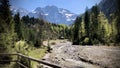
[94, 27]
[30, 29]
[26, 34]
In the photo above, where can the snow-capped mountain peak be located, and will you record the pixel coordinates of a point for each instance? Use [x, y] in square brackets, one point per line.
[50, 13]
[22, 11]
[62, 11]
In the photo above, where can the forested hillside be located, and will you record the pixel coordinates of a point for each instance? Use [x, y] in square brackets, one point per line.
[35, 30]
[94, 27]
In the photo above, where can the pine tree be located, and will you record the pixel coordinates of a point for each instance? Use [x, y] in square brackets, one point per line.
[76, 38]
[118, 21]
[87, 22]
[18, 26]
[87, 25]
[7, 24]
[7, 34]
[104, 28]
[5, 13]
[113, 21]
[94, 22]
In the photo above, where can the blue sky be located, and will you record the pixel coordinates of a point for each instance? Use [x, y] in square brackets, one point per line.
[75, 6]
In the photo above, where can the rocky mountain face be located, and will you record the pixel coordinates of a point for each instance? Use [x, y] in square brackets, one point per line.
[108, 6]
[50, 13]
[22, 11]
[62, 16]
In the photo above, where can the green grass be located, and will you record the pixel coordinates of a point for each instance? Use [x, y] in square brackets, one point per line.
[38, 54]
[30, 50]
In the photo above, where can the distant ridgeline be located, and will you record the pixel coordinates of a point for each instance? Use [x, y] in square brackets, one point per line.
[52, 14]
[99, 25]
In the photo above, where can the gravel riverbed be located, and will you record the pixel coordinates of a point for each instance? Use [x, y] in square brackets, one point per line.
[75, 56]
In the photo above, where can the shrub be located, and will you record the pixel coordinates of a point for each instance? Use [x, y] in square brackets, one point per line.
[86, 40]
[38, 43]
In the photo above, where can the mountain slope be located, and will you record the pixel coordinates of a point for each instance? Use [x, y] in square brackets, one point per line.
[22, 11]
[50, 13]
[54, 14]
[108, 6]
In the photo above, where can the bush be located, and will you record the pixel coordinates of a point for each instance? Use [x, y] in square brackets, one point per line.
[95, 41]
[86, 40]
[38, 43]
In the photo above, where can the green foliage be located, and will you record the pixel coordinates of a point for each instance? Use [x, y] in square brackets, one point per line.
[34, 30]
[87, 23]
[37, 43]
[117, 14]
[7, 34]
[60, 30]
[18, 24]
[28, 50]
[31, 31]
[24, 61]
[95, 28]
[86, 41]
[5, 13]
[76, 31]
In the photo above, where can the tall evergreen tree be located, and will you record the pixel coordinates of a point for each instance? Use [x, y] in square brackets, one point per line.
[76, 38]
[18, 26]
[104, 28]
[5, 12]
[94, 22]
[7, 34]
[118, 21]
[113, 28]
[87, 22]
[6, 21]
